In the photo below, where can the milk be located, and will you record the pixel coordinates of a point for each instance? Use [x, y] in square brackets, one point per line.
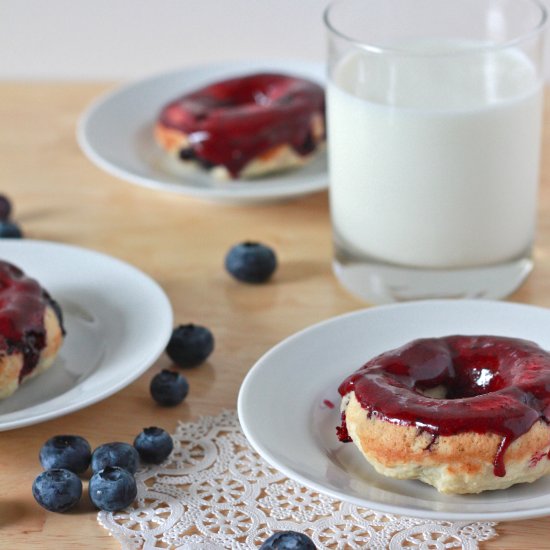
[441, 171]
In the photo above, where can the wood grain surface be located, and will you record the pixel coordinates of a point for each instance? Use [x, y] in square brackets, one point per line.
[181, 242]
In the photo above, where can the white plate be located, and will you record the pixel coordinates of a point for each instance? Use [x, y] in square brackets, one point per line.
[116, 133]
[283, 414]
[118, 322]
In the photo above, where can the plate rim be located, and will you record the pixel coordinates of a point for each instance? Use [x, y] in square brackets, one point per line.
[229, 196]
[421, 513]
[132, 373]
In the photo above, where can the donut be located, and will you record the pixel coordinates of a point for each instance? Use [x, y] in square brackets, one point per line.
[31, 328]
[245, 127]
[462, 413]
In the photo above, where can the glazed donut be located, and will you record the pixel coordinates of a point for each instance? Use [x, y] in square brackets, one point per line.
[31, 328]
[463, 413]
[245, 127]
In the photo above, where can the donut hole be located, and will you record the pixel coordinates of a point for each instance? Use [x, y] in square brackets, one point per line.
[308, 145]
[440, 371]
[439, 392]
[467, 376]
[477, 374]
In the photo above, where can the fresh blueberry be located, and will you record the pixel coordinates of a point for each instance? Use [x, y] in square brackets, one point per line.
[57, 490]
[118, 454]
[251, 262]
[288, 540]
[5, 208]
[190, 345]
[112, 489]
[154, 445]
[10, 230]
[169, 388]
[70, 452]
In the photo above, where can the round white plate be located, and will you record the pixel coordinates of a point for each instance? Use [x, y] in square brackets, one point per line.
[116, 133]
[117, 319]
[284, 406]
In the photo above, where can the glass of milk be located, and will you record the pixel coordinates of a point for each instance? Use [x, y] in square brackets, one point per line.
[434, 126]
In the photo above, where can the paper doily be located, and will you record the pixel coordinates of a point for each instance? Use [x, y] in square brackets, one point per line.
[215, 492]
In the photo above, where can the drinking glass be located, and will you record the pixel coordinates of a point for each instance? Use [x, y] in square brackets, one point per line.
[434, 112]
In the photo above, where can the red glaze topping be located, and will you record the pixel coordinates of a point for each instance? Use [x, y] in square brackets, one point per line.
[22, 306]
[233, 121]
[494, 385]
[342, 430]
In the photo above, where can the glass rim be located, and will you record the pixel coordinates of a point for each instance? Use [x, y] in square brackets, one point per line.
[377, 49]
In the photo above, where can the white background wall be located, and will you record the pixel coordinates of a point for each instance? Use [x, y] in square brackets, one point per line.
[98, 39]
[121, 39]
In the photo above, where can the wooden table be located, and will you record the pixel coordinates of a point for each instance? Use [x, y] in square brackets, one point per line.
[180, 242]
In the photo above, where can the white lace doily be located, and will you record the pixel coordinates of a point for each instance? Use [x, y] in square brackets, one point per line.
[215, 492]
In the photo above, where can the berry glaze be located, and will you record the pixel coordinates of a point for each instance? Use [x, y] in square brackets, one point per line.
[22, 307]
[493, 385]
[231, 122]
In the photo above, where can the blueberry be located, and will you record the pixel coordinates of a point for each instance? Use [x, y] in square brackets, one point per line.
[190, 345]
[118, 454]
[5, 208]
[57, 490]
[169, 388]
[288, 540]
[112, 489]
[10, 230]
[251, 262]
[153, 445]
[70, 452]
